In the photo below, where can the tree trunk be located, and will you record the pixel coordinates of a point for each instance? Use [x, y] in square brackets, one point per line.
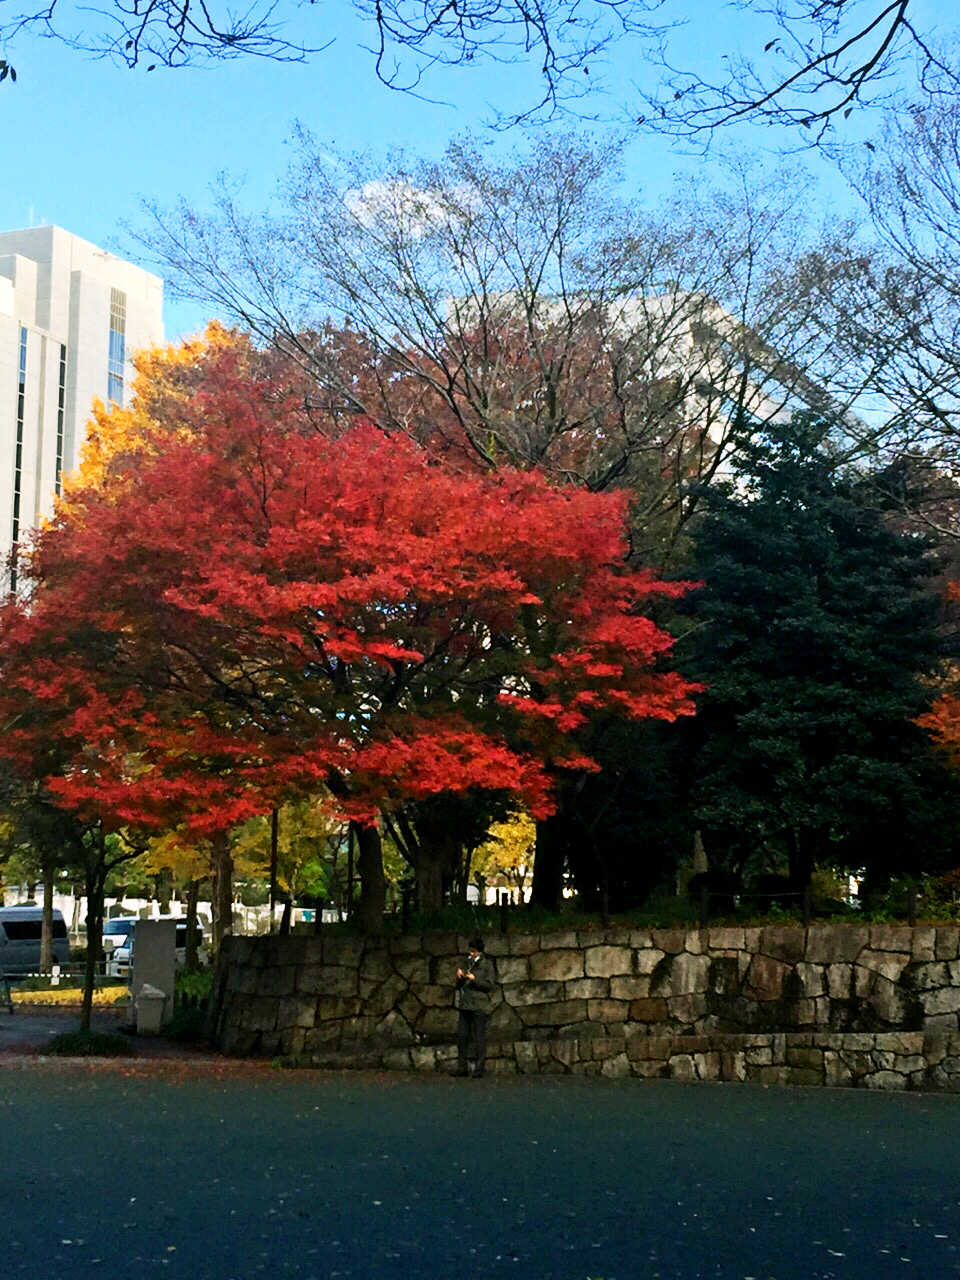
[429, 883]
[547, 890]
[164, 891]
[95, 875]
[191, 959]
[800, 853]
[373, 883]
[274, 861]
[222, 888]
[46, 928]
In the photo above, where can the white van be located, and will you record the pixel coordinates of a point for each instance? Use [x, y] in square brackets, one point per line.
[118, 942]
[20, 929]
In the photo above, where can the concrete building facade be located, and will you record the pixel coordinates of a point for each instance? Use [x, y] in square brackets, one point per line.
[71, 314]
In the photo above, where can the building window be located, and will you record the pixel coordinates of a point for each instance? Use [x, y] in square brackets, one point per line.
[61, 410]
[118, 342]
[18, 455]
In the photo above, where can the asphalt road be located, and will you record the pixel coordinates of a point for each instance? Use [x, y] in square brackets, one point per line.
[313, 1175]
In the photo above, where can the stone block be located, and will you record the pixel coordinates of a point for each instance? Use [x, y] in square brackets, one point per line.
[643, 1048]
[259, 1013]
[889, 965]
[608, 962]
[725, 939]
[941, 1022]
[324, 1036]
[707, 1065]
[890, 1081]
[758, 1056]
[641, 939]
[671, 941]
[948, 942]
[617, 936]
[343, 950]
[682, 1067]
[786, 943]
[946, 1000]
[924, 944]
[526, 1057]
[839, 981]
[434, 997]
[524, 944]
[565, 941]
[553, 1015]
[651, 1069]
[525, 993]
[296, 1011]
[556, 965]
[835, 944]
[648, 1010]
[645, 961]
[416, 969]
[396, 1060]
[394, 1028]
[424, 1058]
[812, 978]
[276, 982]
[724, 975]
[732, 1065]
[512, 969]
[687, 1009]
[617, 1068]
[446, 945]
[629, 988]
[836, 1073]
[891, 937]
[438, 1024]
[802, 1076]
[497, 946]
[405, 945]
[504, 1023]
[689, 975]
[411, 1008]
[566, 1051]
[775, 1075]
[376, 965]
[585, 1069]
[607, 1011]
[800, 1057]
[586, 989]
[242, 980]
[765, 978]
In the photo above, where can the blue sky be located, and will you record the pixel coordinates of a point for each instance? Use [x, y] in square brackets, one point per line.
[84, 141]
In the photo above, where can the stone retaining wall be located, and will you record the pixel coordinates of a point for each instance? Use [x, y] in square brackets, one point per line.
[846, 1004]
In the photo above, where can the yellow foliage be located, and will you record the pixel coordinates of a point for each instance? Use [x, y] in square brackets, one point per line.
[60, 996]
[166, 378]
[506, 856]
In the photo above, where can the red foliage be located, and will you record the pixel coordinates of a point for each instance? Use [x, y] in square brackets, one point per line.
[262, 608]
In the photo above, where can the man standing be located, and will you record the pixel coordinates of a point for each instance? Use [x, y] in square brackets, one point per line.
[474, 984]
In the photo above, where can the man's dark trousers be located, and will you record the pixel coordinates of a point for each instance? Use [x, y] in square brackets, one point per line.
[472, 1024]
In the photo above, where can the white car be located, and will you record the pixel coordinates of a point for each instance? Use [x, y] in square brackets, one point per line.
[118, 942]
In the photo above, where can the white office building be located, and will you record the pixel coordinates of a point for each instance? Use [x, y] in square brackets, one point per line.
[70, 317]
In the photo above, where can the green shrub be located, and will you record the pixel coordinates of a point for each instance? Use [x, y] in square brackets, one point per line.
[91, 1044]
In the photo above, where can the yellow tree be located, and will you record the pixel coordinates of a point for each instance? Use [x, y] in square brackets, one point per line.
[166, 378]
[505, 859]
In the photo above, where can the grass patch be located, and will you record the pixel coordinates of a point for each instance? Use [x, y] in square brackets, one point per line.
[91, 1044]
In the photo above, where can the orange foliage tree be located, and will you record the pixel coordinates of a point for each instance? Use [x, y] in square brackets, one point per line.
[255, 608]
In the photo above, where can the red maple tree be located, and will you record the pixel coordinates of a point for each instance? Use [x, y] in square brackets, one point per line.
[259, 608]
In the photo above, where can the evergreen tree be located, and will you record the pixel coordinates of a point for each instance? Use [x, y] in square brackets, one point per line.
[816, 634]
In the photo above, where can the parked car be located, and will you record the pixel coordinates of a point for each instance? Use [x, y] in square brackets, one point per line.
[20, 929]
[119, 936]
